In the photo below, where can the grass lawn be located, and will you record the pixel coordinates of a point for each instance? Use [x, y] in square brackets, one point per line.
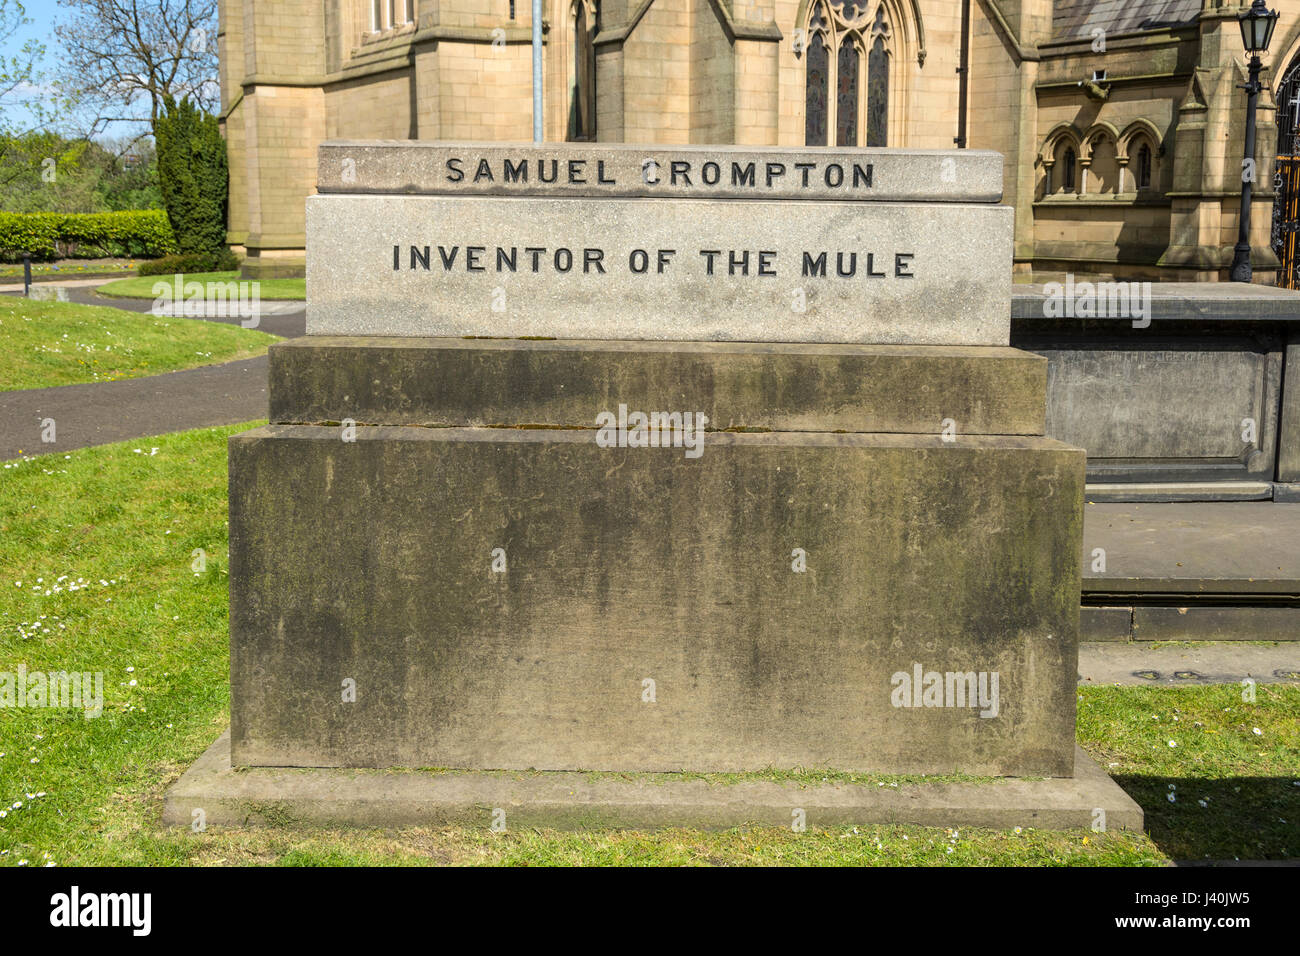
[100, 556]
[141, 287]
[68, 269]
[61, 343]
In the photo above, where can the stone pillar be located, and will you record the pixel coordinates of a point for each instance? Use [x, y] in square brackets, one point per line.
[1288, 446]
[273, 74]
[688, 71]
[1209, 137]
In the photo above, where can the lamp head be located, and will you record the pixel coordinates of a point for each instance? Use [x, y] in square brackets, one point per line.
[1257, 25]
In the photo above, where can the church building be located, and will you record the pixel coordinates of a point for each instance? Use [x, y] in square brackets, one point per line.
[1122, 121]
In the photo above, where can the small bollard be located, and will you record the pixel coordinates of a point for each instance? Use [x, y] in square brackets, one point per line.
[27, 274]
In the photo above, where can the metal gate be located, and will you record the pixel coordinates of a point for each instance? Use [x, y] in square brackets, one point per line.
[1286, 180]
[1286, 220]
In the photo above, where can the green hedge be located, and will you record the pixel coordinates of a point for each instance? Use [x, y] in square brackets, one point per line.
[221, 261]
[143, 233]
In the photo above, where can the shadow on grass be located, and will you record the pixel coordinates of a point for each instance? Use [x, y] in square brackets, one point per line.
[1245, 818]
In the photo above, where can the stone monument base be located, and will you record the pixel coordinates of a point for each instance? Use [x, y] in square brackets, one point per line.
[262, 796]
[857, 558]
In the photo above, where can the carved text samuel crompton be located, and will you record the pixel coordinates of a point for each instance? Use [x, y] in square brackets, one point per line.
[596, 261]
[653, 172]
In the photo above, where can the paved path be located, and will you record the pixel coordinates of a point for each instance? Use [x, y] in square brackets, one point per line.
[1224, 548]
[103, 412]
[283, 318]
[1139, 665]
[16, 288]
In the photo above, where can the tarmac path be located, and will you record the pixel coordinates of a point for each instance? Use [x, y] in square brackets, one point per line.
[102, 412]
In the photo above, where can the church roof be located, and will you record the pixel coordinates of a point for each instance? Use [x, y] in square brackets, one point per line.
[1078, 18]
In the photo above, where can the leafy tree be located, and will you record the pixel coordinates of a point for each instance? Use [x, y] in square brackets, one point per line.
[40, 172]
[28, 104]
[128, 178]
[102, 176]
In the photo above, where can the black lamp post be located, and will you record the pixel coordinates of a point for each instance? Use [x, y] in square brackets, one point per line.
[1257, 25]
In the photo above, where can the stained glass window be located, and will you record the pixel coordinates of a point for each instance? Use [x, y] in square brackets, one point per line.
[838, 38]
[846, 96]
[878, 95]
[818, 84]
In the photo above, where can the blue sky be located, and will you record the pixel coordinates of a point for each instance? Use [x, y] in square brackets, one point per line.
[43, 14]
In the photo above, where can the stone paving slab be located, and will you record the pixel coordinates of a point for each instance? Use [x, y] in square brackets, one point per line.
[1172, 666]
[1191, 549]
[1183, 301]
[1189, 622]
[17, 287]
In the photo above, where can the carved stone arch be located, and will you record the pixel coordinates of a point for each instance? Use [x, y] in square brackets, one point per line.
[859, 23]
[1138, 135]
[1052, 141]
[892, 93]
[1061, 137]
[1139, 128]
[855, 38]
[902, 29]
[1287, 54]
[1100, 129]
[1103, 170]
[805, 22]
[844, 41]
[907, 14]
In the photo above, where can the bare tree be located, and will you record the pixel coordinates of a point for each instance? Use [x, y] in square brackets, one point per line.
[124, 58]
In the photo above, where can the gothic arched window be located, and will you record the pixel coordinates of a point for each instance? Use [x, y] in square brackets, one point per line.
[840, 33]
[878, 95]
[815, 112]
[1067, 172]
[1144, 167]
[846, 95]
